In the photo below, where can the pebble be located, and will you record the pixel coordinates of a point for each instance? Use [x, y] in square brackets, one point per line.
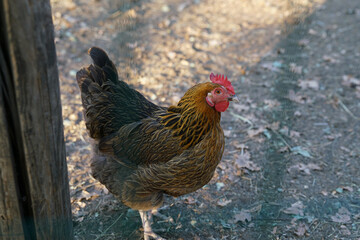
[184, 62]
[165, 8]
[171, 55]
[219, 185]
[67, 122]
[153, 97]
[73, 117]
[72, 73]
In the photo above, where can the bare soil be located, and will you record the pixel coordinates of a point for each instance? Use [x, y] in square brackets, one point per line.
[291, 164]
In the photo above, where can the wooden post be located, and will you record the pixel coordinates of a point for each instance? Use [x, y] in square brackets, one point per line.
[34, 190]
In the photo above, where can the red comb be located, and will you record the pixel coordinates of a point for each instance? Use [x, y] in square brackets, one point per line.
[222, 80]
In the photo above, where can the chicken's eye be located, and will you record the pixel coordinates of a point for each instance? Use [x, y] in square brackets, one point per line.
[218, 91]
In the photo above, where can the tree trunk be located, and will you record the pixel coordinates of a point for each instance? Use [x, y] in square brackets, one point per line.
[34, 190]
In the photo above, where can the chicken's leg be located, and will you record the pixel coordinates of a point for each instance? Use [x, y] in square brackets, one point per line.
[146, 222]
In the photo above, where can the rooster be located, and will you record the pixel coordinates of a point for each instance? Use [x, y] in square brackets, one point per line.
[143, 151]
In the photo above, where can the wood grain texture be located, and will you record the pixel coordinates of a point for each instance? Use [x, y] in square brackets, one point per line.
[40, 163]
[10, 212]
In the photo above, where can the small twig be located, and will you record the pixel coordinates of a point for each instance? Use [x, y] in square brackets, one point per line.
[103, 233]
[282, 139]
[115, 14]
[346, 108]
[313, 230]
[97, 206]
[242, 119]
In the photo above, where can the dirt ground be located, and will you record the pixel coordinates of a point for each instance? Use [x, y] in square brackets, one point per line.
[291, 167]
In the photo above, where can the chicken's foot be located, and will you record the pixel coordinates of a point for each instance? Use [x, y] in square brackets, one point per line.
[155, 212]
[146, 222]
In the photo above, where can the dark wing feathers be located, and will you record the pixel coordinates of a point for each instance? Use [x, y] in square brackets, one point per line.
[142, 142]
[109, 103]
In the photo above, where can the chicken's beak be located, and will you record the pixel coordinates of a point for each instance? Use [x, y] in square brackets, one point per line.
[234, 98]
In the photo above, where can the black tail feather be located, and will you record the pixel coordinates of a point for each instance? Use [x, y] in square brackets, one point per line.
[109, 103]
[99, 56]
[102, 60]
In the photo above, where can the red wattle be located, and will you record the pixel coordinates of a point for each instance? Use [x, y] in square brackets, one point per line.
[222, 106]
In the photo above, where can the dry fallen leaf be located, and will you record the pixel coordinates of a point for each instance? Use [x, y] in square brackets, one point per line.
[84, 195]
[296, 97]
[270, 103]
[283, 149]
[241, 107]
[243, 161]
[81, 204]
[312, 31]
[305, 168]
[274, 126]
[219, 186]
[300, 230]
[242, 216]
[189, 200]
[222, 202]
[309, 84]
[348, 188]
[313, 166]
[350, 81]
[294, 134]
[296, 209]
[304, 42]
[342, 216]
[324, 193]
[255, 132]
[330, 59]
[344, 230]
[238, 145]
[301, 151]
[272, 66]
[295, 68]
[227, 133]
[193, 222]
[297, 113]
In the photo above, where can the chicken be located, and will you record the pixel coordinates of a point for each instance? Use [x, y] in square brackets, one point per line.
[143, 151]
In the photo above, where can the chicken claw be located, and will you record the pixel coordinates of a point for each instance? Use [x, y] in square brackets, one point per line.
[155, 212]
[146, 222]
